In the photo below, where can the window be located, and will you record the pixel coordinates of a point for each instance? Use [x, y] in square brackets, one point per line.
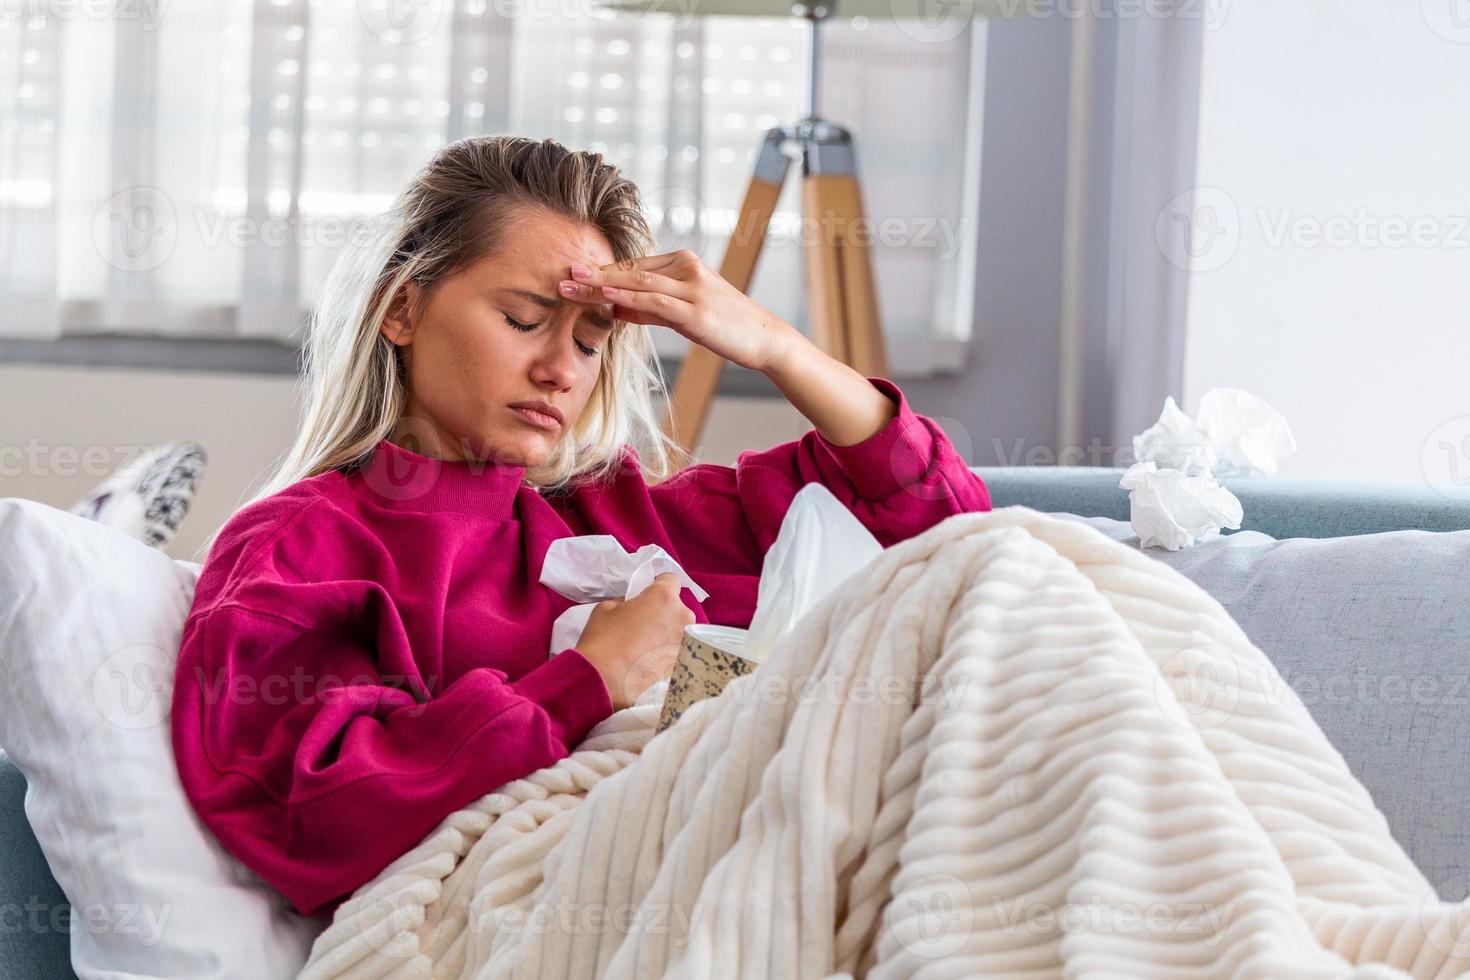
[194, 170]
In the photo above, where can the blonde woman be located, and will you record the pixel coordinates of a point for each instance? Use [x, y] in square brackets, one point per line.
[368, 646]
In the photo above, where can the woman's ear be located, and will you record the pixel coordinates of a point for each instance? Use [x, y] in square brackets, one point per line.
[398, 323]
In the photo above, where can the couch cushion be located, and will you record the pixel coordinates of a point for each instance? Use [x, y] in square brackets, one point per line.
[1372, 633]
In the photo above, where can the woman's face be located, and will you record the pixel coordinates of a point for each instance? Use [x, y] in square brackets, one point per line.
[470, 358]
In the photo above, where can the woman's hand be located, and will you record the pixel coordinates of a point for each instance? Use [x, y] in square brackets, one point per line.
[634, 642]
[677, 290]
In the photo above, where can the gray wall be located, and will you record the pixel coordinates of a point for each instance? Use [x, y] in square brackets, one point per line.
[1005, 404]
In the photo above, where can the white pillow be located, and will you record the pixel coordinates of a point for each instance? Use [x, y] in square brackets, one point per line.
[90, 622]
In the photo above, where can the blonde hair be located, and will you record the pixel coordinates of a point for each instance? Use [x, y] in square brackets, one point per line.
[454, 212]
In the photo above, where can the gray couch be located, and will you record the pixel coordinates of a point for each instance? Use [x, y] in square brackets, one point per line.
[1357, 593]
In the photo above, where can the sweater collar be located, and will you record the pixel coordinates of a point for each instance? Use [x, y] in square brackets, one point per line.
[402, 479]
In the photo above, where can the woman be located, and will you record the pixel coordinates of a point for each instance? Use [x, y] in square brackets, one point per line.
[367, 648]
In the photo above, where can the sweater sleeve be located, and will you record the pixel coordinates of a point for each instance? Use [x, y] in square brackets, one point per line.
[316, 765]
[899, 482]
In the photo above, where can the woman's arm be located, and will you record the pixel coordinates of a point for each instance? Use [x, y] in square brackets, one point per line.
[842, 405]
[896, 470]
[312, 747]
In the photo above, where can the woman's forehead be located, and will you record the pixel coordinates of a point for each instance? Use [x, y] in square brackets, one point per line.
[550, 243]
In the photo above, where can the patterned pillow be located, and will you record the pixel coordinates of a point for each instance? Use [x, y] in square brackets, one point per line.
[149, 496]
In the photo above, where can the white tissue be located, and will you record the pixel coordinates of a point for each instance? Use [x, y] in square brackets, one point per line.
[589, 568]
[1249, 435]
[1174, 499]
[820, 545]
[1175, 442]
[1173, 509]
[1234, 433]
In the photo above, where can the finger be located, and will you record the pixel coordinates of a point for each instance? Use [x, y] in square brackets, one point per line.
[638, 280]
[592, 295]
[582, 293]
[638, 316]
[667, 310]
[660, 261]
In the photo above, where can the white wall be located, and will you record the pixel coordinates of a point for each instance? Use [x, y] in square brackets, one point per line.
[1328, 129]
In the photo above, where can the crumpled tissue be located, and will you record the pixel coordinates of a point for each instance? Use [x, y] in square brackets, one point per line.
[820, 545]
[589, 568]
[1249, 436]
[1173, 509]
[1174, 497]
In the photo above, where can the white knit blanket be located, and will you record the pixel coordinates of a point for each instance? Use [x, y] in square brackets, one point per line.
[1009, 747]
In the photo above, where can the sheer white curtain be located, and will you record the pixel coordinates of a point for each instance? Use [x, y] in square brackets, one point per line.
[192, 170]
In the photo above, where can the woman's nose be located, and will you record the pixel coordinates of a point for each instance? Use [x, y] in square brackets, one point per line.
[556, 359]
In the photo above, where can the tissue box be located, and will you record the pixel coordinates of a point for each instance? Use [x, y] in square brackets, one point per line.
[708, 660]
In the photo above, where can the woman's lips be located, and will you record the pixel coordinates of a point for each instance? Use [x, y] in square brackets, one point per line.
[538, 419]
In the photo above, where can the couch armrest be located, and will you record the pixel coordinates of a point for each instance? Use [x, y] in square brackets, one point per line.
[35, 916]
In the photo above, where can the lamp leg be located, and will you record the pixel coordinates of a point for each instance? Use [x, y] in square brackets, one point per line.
[845, 318]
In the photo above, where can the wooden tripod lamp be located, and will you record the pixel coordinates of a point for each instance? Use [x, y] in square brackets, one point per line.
[844, 302]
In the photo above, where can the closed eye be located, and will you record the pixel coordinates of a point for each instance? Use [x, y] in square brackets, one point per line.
[528, 327]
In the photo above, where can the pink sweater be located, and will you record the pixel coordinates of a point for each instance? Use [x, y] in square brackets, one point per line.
[367, 651]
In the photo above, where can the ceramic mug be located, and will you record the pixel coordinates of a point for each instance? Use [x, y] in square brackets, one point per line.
[709, 658]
